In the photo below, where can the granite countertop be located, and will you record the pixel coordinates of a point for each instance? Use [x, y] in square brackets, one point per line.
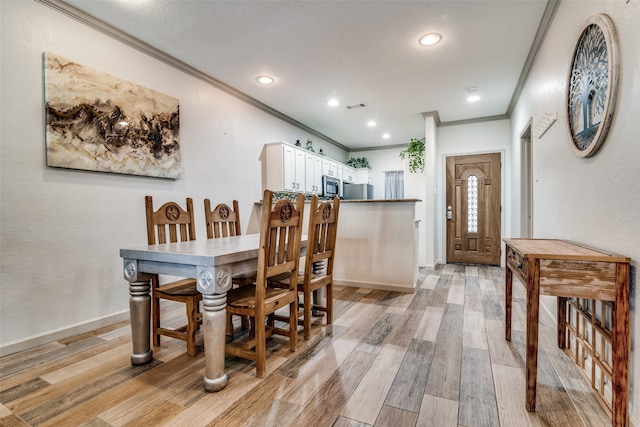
[292, 196]
[380, 201]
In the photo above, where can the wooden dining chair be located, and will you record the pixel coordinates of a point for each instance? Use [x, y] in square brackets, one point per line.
[318, 267]
[170, 223]
[224, 221]
[278, 254]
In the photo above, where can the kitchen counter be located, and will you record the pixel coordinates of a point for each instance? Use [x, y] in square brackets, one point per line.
[377, 243]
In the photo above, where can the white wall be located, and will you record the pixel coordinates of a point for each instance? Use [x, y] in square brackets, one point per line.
[381, 161]
[593, 201]
[61, 230]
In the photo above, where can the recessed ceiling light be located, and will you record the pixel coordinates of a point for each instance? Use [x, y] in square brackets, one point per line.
[265, 80]
[473, 94]
[333, 102]
[386, 136]
[430, 39]
[371, 123]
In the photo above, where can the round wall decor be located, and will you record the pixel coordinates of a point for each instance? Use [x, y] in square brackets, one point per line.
[592, 85]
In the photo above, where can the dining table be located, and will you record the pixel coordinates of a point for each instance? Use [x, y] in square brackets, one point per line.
[212, 262]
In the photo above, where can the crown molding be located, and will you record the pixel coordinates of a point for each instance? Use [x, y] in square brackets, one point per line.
[545, 23]
[435, 115]
[135, 43]
[475, 120]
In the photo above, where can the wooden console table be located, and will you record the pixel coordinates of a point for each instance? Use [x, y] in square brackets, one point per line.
[568, 270]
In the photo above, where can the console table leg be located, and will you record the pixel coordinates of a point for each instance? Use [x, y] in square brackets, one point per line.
[140, 313]
[508, 293]
[562, 322]
[533, 307]
[214, 322]
[621, 348]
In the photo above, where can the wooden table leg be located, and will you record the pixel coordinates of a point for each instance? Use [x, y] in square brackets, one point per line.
[214, 324]
[533, 307]
[621, 348]
[140, 314]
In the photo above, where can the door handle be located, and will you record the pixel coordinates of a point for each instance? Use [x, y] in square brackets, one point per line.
[449, 213]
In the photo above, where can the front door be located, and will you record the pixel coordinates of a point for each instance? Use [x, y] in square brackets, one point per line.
[473, 209]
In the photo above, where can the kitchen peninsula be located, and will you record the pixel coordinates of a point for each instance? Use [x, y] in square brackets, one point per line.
[377, 243]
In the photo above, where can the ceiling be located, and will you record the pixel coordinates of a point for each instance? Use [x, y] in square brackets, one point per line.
[358, 52]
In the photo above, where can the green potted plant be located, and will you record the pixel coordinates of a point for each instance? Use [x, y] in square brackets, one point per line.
[358, 162]
[415, 153]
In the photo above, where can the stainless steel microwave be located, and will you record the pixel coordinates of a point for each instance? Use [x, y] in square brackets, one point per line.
[330, 186]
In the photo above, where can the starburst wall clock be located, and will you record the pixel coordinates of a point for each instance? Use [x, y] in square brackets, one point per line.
[592, 85]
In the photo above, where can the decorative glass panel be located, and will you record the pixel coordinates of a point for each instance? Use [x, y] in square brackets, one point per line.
[472, 204]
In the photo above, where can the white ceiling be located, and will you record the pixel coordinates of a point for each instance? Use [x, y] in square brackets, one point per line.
[355, 51]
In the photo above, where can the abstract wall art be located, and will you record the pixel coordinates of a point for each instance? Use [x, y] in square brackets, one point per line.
[98, 122]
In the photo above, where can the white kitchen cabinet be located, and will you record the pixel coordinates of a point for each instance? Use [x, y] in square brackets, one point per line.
[283, 168]
[313, 173]
[286, 167]
[329, 167]
[294, 163]
[348, 174]
[363, 176]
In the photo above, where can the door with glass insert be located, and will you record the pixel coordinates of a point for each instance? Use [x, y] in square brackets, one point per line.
[473, 209]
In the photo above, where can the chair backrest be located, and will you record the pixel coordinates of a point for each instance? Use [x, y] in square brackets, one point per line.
[170, 223]
[222, 221]
[280, 235]
[323, 227]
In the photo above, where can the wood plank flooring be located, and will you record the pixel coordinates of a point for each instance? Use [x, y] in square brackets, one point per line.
[434, 358]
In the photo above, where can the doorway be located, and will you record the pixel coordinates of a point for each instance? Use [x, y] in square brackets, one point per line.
[526, 182]
[473, 209]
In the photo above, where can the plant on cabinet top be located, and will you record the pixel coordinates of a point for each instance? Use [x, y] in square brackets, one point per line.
[358, 162]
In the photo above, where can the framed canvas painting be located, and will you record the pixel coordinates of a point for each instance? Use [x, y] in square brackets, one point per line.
[98, 122]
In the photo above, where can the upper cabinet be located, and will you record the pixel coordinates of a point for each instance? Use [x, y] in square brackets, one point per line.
[363, 176]
[348, 174]
[283, 168]
[286, 167]
[329, 167]
[313, 173]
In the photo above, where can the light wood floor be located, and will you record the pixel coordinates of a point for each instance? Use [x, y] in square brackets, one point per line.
[434, 358]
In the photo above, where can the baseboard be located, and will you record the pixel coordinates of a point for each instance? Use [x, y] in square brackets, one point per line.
[49, 336]
[378, 286]
[438, 262]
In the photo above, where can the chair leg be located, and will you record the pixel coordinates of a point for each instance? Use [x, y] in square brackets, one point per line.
[261, 345]
[192, 326]
[252, 330]
[329, 303]
[244, 322]
[293, 325]
[155, 312]
[229, 325]
[307, 313]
